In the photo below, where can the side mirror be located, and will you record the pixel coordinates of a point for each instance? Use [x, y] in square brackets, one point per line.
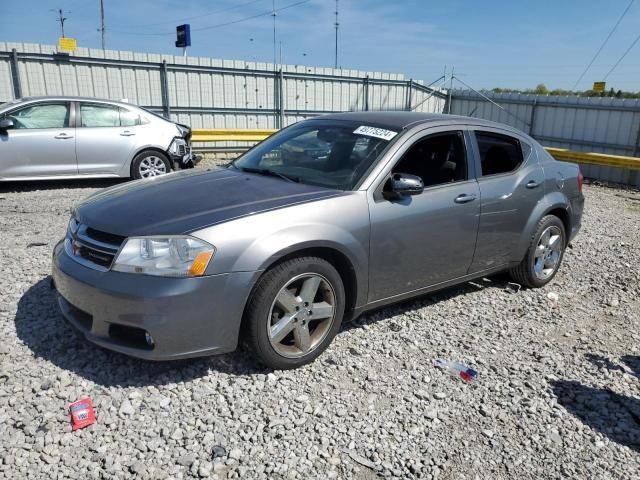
[403, 184]
[6, 124]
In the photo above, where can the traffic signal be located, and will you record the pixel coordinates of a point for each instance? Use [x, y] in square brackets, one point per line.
[183, 36]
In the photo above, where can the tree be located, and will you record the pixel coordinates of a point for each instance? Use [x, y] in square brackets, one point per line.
[541, 89]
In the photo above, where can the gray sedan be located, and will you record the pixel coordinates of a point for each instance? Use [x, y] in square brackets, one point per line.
[43, 138]
[322, 221]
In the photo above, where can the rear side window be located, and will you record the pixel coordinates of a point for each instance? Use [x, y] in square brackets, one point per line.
[498, 153]
[128, 118]
[106, 116]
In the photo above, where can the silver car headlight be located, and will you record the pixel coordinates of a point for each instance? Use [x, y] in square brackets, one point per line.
[164, 256]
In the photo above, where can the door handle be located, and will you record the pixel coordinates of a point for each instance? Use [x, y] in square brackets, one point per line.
[532, 184]
[464, 198]
[127, 133]
[63, 136]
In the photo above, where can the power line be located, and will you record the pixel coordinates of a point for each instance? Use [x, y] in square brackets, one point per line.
[208, 14]
[633, 44]
[219, 25]
[603, 44]
[271, 12]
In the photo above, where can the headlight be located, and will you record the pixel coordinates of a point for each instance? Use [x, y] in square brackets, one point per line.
[73, 226]
[164, 256]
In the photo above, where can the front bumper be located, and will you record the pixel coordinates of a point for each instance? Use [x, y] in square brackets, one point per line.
[186, 317]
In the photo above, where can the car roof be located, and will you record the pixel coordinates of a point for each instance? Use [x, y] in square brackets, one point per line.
[71, 99]
[399, 120]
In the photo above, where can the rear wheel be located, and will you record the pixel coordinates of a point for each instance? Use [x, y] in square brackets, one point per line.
[150, 164]
[544, 255]
[294, 312]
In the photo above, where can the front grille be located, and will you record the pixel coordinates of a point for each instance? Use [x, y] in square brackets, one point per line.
[93, 248]
[182, 150]
[104, 237]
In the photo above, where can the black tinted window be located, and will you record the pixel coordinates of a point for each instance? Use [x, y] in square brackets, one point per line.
[498, 153]
[436, 159]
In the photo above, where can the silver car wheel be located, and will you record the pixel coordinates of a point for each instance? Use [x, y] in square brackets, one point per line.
[301, 315]
[548, 253]
[152, 166]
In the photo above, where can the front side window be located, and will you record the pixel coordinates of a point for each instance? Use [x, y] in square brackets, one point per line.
[326, 153]
[437, 159]
[498, 153]
[41, 116]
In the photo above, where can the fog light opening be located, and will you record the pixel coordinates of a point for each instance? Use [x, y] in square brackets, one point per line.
[131, 336]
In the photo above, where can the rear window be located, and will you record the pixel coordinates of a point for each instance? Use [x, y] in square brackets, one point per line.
[498, 153]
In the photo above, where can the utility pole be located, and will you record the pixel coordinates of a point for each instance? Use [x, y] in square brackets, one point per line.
[275, 57]
[102, 23]
[450, 89]
[61, 19]
[336, 25]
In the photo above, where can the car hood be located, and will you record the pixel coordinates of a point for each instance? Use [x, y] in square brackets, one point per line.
[185, 201]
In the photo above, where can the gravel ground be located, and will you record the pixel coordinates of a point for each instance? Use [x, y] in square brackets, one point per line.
[558, 394]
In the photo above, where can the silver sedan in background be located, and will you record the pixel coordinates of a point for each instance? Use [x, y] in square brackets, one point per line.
[45, 138]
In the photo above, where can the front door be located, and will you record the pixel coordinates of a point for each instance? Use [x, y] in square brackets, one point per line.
[40, 144]
[106, 138]
[426, 239]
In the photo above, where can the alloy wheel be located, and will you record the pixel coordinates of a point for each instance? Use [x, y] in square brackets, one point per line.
[152, 166]
[548, 253]
[301, 315]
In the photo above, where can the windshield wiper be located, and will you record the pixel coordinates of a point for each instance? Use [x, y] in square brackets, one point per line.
[266, 171]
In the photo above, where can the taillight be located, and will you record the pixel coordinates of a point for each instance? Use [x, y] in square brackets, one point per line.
[580, 181]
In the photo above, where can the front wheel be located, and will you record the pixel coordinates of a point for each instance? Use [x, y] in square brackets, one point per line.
[294, 312]
[149, 164]
[544, 255]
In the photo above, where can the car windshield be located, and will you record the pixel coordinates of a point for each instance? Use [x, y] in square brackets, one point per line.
[8, 104]
[333, 154]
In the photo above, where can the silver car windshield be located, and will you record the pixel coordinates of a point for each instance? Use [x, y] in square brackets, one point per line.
[329, 154]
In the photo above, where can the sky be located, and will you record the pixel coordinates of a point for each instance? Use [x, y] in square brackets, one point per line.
[489, 43]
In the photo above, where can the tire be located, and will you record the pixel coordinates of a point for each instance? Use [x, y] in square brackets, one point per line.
[149, 163]
[542, 261]
[275, 321]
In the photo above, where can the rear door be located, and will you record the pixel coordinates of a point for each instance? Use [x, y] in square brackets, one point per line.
[106, 138]
[511, 179]
[425, 239]
[41, 144]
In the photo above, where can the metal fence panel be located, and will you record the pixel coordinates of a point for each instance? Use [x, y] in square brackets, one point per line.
[602, 125]
[586, 124]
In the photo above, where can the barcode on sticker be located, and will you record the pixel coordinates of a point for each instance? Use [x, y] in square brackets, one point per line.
[375, 132]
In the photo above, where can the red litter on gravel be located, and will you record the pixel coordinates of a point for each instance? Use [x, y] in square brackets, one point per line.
[82, 414]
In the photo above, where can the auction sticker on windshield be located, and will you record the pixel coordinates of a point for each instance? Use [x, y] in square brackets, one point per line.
[375, 132]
